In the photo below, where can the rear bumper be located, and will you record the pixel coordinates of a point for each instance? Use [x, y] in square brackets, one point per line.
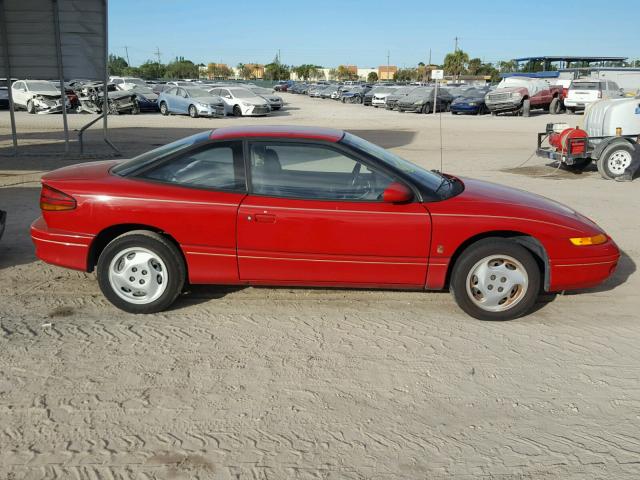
[65, 249]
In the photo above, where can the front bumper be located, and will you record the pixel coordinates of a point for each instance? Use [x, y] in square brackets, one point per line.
[464, 108]
[409, 108]
[217, 111]
[257, 110]
[62, 248]
[503, 106]
[587, 272]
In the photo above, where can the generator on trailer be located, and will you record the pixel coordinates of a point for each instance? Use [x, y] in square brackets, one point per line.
[610, 135]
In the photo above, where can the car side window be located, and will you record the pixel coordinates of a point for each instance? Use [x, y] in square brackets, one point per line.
[218, 166]
[224, 93]
[298, 170]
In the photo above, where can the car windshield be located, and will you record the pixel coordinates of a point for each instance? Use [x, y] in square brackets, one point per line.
[142, 88]
[136, 81]
[43, 86]
[404, 90]
[420, 92]
[129, 166]
[585, 86]
[243, 93]
[425, 177]
[198, 92]
[261, 91]
[473, 93]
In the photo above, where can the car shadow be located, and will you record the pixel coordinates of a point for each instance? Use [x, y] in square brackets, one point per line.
[22, 207]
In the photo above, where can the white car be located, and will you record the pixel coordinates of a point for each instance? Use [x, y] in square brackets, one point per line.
[584, 92]
[127, 83]
[275, 101]
[37, 96]
[241, 101]
[380, 98]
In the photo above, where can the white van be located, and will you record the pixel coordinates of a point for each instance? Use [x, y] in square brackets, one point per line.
[584, 92]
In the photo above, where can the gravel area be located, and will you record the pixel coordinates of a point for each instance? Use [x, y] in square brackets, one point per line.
[279, 383]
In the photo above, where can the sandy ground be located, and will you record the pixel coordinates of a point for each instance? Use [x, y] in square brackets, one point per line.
[259, 383]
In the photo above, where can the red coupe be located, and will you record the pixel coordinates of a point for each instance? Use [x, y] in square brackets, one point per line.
[309, 206]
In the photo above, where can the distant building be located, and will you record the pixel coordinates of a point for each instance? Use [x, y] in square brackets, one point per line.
[386, 72]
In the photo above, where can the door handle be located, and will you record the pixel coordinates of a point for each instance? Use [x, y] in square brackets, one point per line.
[265, 218]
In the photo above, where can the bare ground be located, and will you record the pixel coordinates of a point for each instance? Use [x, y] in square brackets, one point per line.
[260, 383]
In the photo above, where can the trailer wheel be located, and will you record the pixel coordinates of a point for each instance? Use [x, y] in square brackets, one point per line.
[615, 159]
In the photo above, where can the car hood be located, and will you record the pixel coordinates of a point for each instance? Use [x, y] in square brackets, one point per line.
[254, 101]
[146, 96]
[468, 99]
[208, 100]
[485, 198]
[507, 90]
[45, 93]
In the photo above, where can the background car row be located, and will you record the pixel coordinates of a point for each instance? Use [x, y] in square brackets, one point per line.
[134, 95]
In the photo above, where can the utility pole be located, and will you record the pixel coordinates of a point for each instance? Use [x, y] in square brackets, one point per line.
[388, 54]
[126, 49]
[157, 53]
[456, 43]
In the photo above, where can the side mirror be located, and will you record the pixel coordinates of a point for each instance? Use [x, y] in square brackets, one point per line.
[228, 96]
[397, 192]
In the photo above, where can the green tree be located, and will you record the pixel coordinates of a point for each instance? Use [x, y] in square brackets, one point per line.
[507, 66]
[372, 77]
[116, 65]
[245, 72]
[455, 63]
[474, 66]
[333, 74]
[150, 70]
[276, 70]
[406, 75]
[181, 68]
[307, 71]
[219, 71]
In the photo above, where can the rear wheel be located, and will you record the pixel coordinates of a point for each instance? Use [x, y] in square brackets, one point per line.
[164, 110]
[554, 106]
[237, 111]
[614, 160]
[141, 272]
[496, 279]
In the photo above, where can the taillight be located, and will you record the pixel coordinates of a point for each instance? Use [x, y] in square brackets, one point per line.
[55, 200]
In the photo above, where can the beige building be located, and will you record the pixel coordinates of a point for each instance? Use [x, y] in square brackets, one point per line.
[386, 72]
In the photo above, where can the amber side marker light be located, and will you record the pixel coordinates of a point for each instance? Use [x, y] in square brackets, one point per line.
[595, 240]
[53, 200]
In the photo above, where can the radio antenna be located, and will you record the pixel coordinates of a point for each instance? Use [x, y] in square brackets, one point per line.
[440, 115]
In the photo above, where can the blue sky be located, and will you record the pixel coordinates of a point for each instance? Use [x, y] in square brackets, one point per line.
[331, 32]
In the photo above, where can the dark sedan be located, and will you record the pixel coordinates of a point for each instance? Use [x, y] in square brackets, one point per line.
[421, 100]
[471, 101]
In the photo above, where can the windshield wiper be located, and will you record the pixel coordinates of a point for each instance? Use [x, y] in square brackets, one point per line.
[445, 180]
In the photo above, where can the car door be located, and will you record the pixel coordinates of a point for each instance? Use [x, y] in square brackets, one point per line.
[314, 217]
[19, 94]
[182, 101]
[227, 98]
[195, 196]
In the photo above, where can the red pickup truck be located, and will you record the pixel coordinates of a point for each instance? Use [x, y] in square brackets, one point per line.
[522, 94]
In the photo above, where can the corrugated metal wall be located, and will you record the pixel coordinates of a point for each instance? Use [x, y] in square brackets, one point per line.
[30, 34]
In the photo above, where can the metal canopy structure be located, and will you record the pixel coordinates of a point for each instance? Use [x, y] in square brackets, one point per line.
[566, 61]
[54, 40]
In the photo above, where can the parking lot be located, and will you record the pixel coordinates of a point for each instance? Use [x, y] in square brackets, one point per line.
[272, 383]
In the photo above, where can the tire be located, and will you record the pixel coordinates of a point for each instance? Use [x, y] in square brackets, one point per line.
[113, 109]
[136, 108]
[193, 111]
[358, 100]
[426, 108]
[158, 257]
[31, 107]
[615, 159]
[164, 109]
[525, 109]
[489, 265]
[237, 111]
[554, 106]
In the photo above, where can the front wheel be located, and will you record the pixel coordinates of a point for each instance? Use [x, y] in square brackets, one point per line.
[31, 107]
[237, 111]
[141, 272]
[164, 110]
[193, 111]
[614, 160]
[426, 108]
[525, 109]
[495, 279]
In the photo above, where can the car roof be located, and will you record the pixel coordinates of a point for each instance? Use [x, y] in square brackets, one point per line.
[278, 131]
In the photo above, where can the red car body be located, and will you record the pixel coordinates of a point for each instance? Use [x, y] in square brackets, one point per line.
[242, 238]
